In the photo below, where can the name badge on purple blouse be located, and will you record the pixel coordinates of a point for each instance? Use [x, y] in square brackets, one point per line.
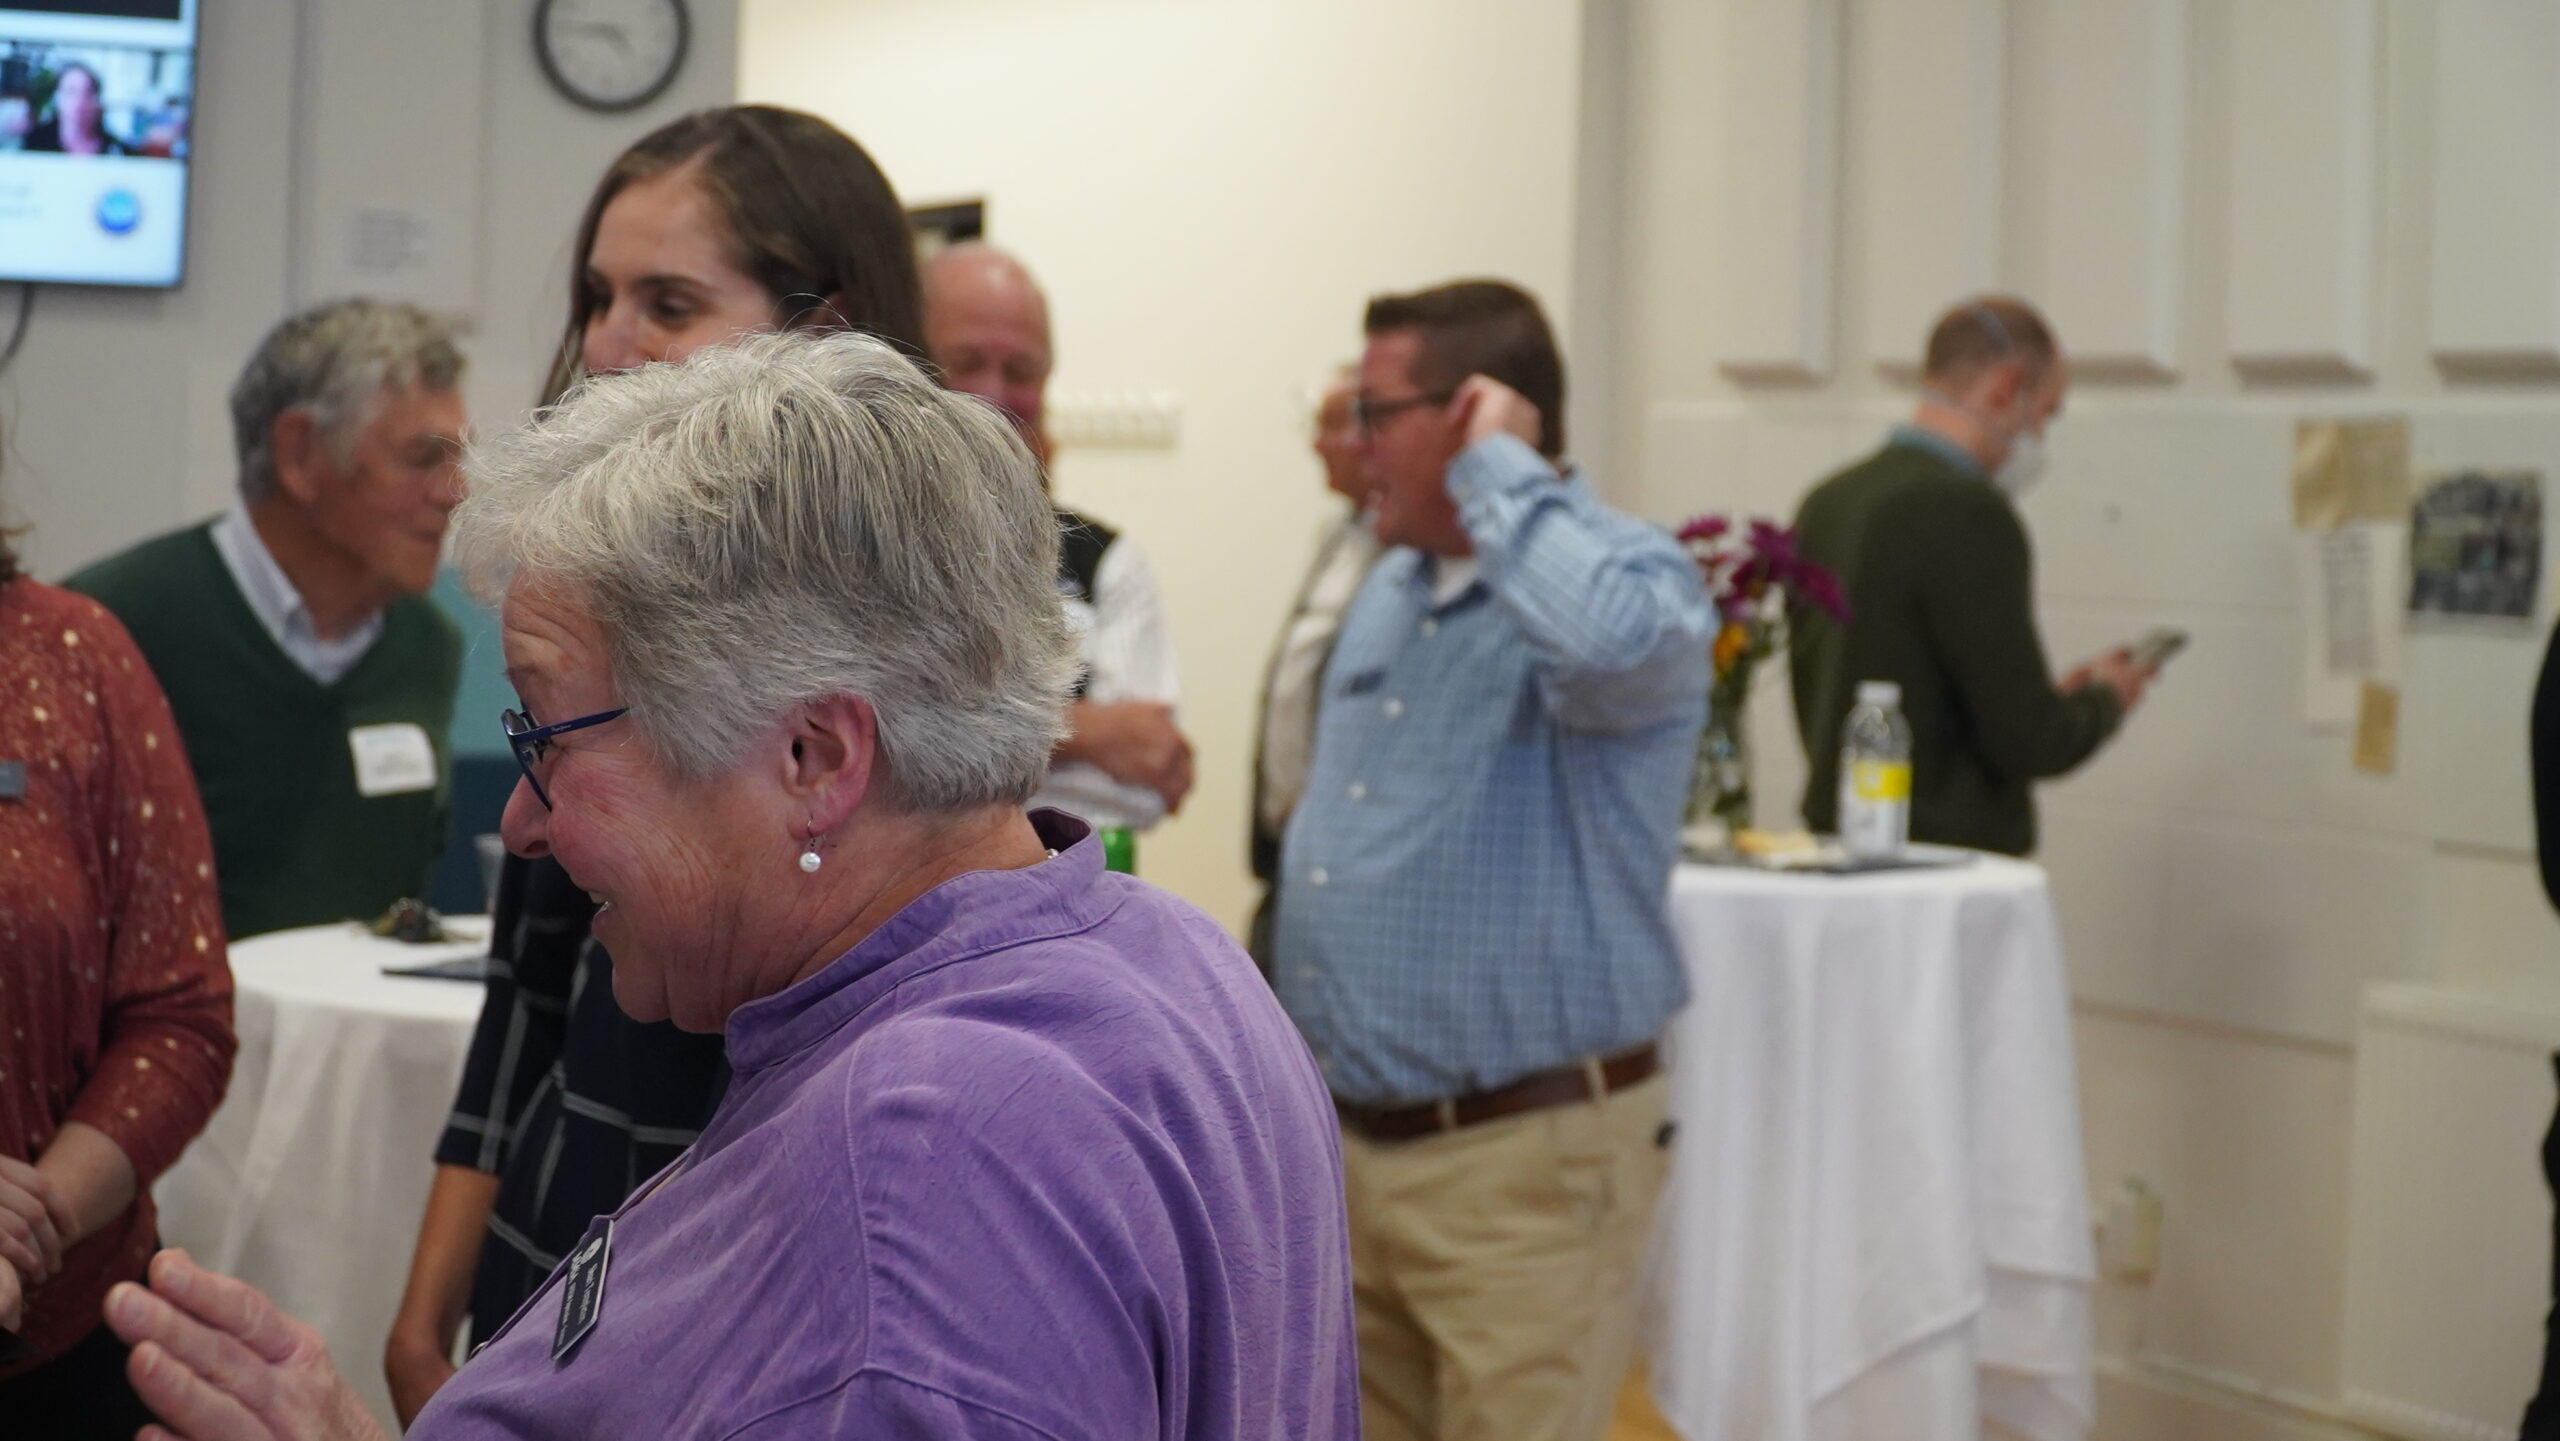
[582, 1291]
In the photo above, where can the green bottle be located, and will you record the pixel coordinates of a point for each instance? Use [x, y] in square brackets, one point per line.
[1120, 850]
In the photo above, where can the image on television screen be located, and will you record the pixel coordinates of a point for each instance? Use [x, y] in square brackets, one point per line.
[96, 101]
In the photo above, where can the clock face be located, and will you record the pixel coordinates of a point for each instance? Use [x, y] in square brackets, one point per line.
[611, 54]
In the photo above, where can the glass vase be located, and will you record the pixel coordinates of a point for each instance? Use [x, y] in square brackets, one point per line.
[1720, 787]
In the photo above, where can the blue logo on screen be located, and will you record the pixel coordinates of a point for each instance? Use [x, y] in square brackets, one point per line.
[118, 212]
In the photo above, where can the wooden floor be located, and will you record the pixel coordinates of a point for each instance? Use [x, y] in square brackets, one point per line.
[1637, 1420]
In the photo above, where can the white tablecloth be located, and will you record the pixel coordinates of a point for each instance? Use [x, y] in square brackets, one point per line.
[310, 1181]
[1876, 1223]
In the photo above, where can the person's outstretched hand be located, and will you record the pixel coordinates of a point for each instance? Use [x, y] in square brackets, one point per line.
[218, 1362]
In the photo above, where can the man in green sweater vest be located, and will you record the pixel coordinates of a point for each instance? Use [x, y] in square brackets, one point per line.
[1929, 550]
[312, 679]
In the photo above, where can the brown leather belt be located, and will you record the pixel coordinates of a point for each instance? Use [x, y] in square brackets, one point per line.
[1564, 1086]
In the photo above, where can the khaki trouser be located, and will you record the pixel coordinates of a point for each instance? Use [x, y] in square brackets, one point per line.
[1494, 1270]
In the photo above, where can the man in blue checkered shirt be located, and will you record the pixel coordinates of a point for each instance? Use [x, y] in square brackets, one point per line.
[1472, 933]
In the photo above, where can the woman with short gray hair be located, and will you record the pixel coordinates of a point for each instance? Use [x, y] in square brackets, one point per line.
[719, 224]
[1015, 1147]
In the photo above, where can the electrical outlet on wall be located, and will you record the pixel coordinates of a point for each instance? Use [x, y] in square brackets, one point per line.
[1116, 420]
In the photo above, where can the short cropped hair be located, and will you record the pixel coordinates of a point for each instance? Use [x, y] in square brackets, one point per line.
[333, 362]
[1481, 327]
[1982, 333]
[785, 519]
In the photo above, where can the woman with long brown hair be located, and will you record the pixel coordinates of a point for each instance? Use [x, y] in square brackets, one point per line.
[721, 224]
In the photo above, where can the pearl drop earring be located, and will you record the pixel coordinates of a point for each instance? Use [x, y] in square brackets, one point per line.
[810, 860]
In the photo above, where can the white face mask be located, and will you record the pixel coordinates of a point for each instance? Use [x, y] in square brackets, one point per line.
[2025, 466]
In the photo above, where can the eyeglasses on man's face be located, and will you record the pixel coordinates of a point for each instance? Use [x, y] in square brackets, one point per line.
[530, 742]
[1369, 413]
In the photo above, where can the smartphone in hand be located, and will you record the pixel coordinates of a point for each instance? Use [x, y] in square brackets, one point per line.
[2155, 647]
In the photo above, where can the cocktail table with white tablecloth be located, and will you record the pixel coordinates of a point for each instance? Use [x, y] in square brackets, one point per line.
[1876, 1223]
[310, 1181]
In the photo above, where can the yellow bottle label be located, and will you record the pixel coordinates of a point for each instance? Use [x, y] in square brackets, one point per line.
[1881, 780]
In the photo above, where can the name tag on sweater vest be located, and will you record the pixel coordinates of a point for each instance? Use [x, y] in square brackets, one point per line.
[392, 759]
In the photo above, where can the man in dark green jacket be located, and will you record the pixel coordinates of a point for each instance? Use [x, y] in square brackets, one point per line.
[312, 679]
[1926, 542]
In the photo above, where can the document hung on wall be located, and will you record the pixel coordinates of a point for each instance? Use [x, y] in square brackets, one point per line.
[2352, 587]
[2345, 471]
[392, 759]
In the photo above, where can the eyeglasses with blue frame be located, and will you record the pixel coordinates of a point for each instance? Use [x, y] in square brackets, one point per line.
[529, 741]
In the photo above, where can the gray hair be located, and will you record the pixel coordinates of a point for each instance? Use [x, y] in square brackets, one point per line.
[333, 362]
[786, 519]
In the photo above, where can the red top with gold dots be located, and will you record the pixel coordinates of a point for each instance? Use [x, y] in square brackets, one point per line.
[115, 997]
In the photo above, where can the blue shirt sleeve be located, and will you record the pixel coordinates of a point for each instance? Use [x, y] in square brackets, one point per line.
[1611, 607]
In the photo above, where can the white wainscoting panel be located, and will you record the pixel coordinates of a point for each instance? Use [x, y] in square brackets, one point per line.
[2494, 287]
[2448, 1225]
[1928, 80]
[1780, 201]
[2304, 136]
[2101, 140]
[2265, 927]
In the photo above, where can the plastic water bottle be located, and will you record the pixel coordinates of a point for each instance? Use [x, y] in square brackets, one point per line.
[1875, 773]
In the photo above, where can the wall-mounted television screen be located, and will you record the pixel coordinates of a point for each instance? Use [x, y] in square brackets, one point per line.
[96, 101]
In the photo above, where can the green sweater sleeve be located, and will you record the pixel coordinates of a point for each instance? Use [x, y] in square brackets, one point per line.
[1981, 619]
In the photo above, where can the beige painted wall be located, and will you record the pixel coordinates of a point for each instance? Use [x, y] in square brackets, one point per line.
[2228, 207]
[1209, 192]
[2227, 884]
[116, 417]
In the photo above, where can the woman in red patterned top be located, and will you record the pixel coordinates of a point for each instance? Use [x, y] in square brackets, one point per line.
[115, 998]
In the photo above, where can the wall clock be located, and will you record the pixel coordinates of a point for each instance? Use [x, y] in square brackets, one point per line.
[611, 55]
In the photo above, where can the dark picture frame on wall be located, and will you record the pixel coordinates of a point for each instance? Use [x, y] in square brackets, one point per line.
[939, 227]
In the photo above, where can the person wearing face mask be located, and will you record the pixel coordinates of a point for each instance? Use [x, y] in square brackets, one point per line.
[1926, 541]
[716, 226]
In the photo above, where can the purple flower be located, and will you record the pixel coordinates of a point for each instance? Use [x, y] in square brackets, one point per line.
[1743, 566]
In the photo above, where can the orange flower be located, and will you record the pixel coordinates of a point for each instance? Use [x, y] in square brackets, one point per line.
[1731, 642]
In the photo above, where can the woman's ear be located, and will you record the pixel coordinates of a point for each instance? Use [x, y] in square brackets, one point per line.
[835, 748]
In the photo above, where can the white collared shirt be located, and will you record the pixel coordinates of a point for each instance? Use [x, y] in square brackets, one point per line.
[279, 607]
[1450, 577]
[1127, 650]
